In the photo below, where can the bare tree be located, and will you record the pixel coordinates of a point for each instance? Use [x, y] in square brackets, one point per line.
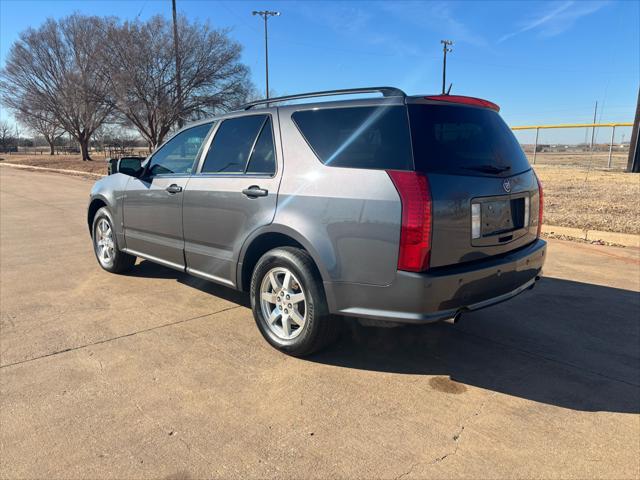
[142, 67]
[5, 132]
[6, 139]
[42, 123]
[58, 67]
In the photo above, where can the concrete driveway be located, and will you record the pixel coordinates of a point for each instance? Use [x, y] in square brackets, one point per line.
[159, 375]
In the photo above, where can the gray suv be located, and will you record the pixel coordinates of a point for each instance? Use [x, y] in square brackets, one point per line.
[394, 208]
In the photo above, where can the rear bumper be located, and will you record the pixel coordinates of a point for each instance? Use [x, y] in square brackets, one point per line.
[443, 292]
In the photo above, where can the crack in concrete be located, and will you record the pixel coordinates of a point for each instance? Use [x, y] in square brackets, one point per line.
[100, 342]
[456, 439]
[407, 472]
[150, 418]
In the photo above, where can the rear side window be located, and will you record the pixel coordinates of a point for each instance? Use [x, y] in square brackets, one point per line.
[263, 158]
[464, 140]
[358, 137]
[231, 147]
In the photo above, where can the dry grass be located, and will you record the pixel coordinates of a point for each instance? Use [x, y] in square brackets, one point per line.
[575, 196]
[591, 199]
[597, 160]
[65, 162]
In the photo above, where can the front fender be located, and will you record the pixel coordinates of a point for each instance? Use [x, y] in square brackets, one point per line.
[111, 190]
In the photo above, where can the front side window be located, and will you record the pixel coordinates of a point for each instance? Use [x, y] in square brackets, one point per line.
[233, 144]
[358, 137]
[178, 155]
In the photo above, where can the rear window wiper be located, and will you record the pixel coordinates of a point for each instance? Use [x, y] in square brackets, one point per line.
[487, 168]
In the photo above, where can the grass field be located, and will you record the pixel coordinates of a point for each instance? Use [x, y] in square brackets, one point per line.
[591, 199]
[65, 162]
[575, 195]
[590, 160]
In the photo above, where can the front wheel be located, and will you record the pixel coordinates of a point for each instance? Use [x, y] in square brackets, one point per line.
[105, 244]
[288, 302]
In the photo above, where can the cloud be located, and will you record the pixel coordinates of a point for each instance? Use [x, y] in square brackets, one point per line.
[559, 19]
[359, 25]
[437, 16]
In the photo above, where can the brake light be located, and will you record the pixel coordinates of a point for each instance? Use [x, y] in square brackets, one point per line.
[540, 206]
[478, 102]
[415, 234]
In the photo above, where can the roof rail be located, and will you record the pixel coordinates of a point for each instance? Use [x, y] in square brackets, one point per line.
[385, 91]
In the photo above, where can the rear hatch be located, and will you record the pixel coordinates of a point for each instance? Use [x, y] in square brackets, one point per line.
[484, 192]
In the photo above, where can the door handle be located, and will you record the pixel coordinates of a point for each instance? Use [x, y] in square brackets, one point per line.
[173, 188]
[255, 191]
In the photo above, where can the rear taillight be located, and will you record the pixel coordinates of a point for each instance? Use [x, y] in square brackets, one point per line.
[415, 234]
[540, 206]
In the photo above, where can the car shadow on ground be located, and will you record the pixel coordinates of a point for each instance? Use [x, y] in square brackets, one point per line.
[147, 269]
[569, 344]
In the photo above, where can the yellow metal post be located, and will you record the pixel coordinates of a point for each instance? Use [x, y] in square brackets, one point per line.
[574, 125]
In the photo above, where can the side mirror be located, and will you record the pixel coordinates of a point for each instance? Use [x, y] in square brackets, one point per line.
[112, 166]
[131, 166]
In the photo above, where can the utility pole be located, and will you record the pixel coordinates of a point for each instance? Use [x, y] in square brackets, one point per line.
[633, 164]
[593, 129]
[265, 14]
[178, 66]
[445, 48]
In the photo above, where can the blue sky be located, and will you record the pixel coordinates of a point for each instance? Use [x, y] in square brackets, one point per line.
[541, 61]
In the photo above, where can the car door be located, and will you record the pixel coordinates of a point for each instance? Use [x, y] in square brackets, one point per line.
[233, 193]
[153, 202]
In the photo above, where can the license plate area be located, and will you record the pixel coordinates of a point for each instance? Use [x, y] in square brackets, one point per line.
[502, 219]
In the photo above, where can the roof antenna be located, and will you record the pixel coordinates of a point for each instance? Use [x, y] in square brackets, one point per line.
[449, 90]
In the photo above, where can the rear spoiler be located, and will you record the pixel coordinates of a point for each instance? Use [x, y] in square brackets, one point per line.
[478, 102]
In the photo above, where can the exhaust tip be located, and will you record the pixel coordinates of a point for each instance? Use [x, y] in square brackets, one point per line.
[530, 287]
[453, 320]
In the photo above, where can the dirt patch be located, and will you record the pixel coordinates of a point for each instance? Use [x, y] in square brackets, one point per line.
[558, 236]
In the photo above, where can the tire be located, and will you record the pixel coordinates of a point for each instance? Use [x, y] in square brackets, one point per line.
[310, 326]
[105, 244]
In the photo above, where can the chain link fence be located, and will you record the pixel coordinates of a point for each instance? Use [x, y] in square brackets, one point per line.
[600, 145]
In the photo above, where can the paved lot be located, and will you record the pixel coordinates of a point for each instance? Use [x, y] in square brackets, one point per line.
[159, 375]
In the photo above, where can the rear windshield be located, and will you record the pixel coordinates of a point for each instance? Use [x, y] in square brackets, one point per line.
[464, 140]
[358, 137]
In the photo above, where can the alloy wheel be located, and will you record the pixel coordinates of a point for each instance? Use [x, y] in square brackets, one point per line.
[283, 303]
[105, 246]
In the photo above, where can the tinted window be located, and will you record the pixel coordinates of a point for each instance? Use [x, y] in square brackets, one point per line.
[179, 154]
[263, 159]
[232, 144]
[465, 140]
[358, 137]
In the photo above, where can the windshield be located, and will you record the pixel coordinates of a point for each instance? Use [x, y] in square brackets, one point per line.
[464, 140]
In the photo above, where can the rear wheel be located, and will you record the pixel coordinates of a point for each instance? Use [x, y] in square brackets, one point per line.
[288, 302]
[105, 244]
